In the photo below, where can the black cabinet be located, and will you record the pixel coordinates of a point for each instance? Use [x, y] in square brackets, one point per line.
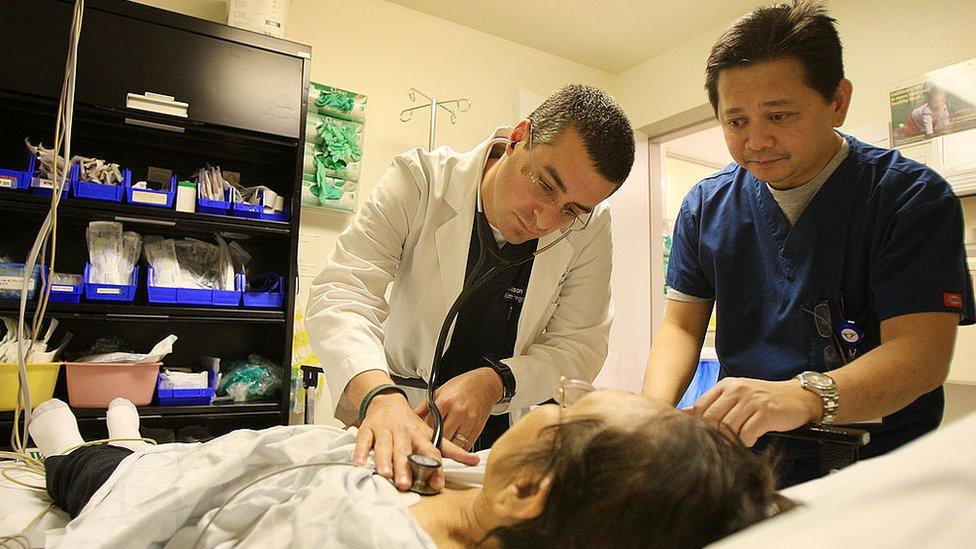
[246, 95]
[226, 79]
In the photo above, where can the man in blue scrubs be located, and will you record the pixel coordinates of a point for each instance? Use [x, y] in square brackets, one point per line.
[820, 253]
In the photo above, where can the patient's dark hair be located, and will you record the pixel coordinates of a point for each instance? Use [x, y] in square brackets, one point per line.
[600, 122]
[670, 482]
[802, 31]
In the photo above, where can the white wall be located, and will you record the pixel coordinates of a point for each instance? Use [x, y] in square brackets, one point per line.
[382, 49]
[630, 335]
[213, 10]
[885, 41]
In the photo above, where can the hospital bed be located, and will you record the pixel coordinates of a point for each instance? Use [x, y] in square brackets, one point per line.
[923, 494]
[839, 446]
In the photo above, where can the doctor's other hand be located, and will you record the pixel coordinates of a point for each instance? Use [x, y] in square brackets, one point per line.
[745, 409]
[465, 402]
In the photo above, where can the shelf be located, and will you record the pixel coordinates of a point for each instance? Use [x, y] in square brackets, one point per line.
[149, 412]
[231, 409]
[133, 214]
[147, 313]
[253, 127]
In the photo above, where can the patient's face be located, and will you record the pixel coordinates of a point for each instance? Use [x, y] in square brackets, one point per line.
[615, 408]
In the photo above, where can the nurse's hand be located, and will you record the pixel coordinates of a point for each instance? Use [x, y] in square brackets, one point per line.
[745, 409]
[393, 431]
[465, 402]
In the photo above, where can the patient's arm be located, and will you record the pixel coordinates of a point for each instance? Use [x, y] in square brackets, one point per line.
[675, 350]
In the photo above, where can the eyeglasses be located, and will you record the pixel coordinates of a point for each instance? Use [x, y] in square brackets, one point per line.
[570, 391]
[577, 221]
[834, 354]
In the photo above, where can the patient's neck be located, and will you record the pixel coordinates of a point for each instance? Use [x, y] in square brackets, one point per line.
[455, 518]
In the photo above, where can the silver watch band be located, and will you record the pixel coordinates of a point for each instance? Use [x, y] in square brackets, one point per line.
[824, 387]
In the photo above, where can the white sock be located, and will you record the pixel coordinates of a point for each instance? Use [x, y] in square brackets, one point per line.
[123, 422]
[54, 428]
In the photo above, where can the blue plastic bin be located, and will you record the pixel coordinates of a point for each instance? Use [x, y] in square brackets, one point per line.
[266, 300]
[243, 209]
[281, 216]
[110, 292]
[230, 298]
[194, 296]
[150, 197]
[13, 180]
[34, 183]
[67, 293]
[12, 280]
[185, 296]
[255, 211]
[97, 191]
[17, 180]
[187, 397]
[214, 207]
[706, 376]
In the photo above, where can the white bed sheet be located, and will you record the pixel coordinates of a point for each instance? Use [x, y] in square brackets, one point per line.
[921, 495]
[19, 505]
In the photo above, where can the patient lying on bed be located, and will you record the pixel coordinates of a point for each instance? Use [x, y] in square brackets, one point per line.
[612, 470]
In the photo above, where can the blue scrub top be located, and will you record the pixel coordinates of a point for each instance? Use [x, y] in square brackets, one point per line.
[882, 238]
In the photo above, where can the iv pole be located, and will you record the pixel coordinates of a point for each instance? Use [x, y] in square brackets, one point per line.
[406, 115]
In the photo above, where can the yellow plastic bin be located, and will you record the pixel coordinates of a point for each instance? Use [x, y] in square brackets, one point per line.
[92, 385]
[40, 378]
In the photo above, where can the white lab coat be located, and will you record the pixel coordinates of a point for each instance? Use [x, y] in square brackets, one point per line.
[414, 231]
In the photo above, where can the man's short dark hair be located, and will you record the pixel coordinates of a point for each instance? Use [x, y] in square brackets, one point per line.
[600, 122]
[801, 31]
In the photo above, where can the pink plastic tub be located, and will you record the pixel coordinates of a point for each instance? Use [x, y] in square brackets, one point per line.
[96, 385]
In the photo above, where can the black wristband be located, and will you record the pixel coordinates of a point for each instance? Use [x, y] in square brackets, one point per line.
[508, 379]
[364, 405]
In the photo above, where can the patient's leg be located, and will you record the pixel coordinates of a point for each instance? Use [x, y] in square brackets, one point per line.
[73, 479]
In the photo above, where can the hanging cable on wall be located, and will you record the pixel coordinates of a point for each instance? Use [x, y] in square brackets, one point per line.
[44, 248]
[461, 104]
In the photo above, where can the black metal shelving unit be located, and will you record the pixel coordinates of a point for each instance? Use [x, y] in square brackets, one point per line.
[247, 96]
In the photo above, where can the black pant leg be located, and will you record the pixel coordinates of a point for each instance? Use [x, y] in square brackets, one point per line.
[73, 479]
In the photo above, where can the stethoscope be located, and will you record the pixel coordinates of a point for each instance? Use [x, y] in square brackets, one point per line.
[422, 466]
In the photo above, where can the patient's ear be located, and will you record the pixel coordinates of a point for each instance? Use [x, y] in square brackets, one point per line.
[523, 499]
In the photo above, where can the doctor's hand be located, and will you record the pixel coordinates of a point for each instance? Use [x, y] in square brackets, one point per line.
[745, 409]
[465, 403]
[394, 431]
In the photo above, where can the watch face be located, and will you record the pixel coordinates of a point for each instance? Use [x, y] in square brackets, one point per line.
[818, 380]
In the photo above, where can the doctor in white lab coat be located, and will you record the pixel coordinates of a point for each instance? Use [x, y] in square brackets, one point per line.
[415, 232]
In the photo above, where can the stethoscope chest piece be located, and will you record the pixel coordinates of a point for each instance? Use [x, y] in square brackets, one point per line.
[423, 468]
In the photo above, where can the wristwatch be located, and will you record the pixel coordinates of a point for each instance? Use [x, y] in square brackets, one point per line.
[508, 379]
[823, 386]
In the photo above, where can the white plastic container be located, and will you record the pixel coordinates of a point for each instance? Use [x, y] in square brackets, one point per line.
[261, 16]
[186, 197]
